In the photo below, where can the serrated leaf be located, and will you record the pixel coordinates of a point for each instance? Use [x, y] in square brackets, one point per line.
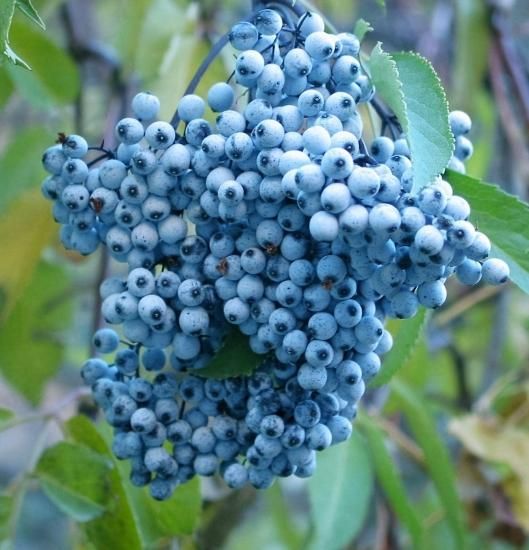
[405, 337]
[340, 492]
[29, 339]
[54, 77]
[384, 74]
[437, 459]
[19, 174]
[362, 27]
[235, 358]
[7, 9]
[26, 7]
[76, 479]
[116, 528]
[391, 482]
[503, 218]
[410, 86]
[22, 254]
[6, 506]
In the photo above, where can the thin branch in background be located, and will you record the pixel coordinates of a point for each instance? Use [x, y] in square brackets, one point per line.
[404, 442]
[465, 303]
[509, 120]
[512, 63]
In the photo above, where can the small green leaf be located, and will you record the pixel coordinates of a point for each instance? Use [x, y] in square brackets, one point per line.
[5, 416]
[26, 7]
[54, 77]
[28, 339]
[437, 459]
[406, 336]
[14, 57]
[411, 88]
[117, 527]
[362, 27]
[391, 482]
[75, 478]
[235, 358]
[340, 493]
[6, 506]
[503, 218]
[153, 521]
[19, 174]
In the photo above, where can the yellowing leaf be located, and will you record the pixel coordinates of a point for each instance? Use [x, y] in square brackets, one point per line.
[493, 441]
[26, 229]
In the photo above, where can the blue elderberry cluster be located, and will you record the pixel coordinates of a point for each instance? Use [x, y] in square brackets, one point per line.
[278, 221]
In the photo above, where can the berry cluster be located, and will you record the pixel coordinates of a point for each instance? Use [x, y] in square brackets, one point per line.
[277, 221]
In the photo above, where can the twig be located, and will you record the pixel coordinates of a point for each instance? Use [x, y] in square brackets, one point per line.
[511, 62]
[464, 304]
[515, 136]
[50, 414]
[401, 439]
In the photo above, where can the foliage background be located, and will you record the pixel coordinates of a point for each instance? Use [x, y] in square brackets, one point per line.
[441, 454]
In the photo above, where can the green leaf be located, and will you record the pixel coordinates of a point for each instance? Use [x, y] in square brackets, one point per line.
[406, 335]
[429, 135]
[28, 339]
[437, 459]
[75, 478]
[54, 77]
[26, 7]
[5, 416]
[153, 521]
[7, 9]
[235, 358]
[362, 27]
[340, 493]
[410, 86]
[289, 533]
[503, 218]
[385, 76]
[22, 254]
[116, 528]
[6, 506]
[157, 32]
[18, 173]
[391, 482]
[470, 66]
[128, 30]
[6, 87]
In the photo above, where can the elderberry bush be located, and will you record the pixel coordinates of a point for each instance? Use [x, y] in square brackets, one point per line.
[278, 221]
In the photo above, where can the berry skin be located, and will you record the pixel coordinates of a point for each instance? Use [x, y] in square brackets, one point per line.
[105, 340]
[145, 106]
[495, 271]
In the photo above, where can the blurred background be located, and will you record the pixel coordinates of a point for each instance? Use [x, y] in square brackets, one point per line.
[465, 429]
